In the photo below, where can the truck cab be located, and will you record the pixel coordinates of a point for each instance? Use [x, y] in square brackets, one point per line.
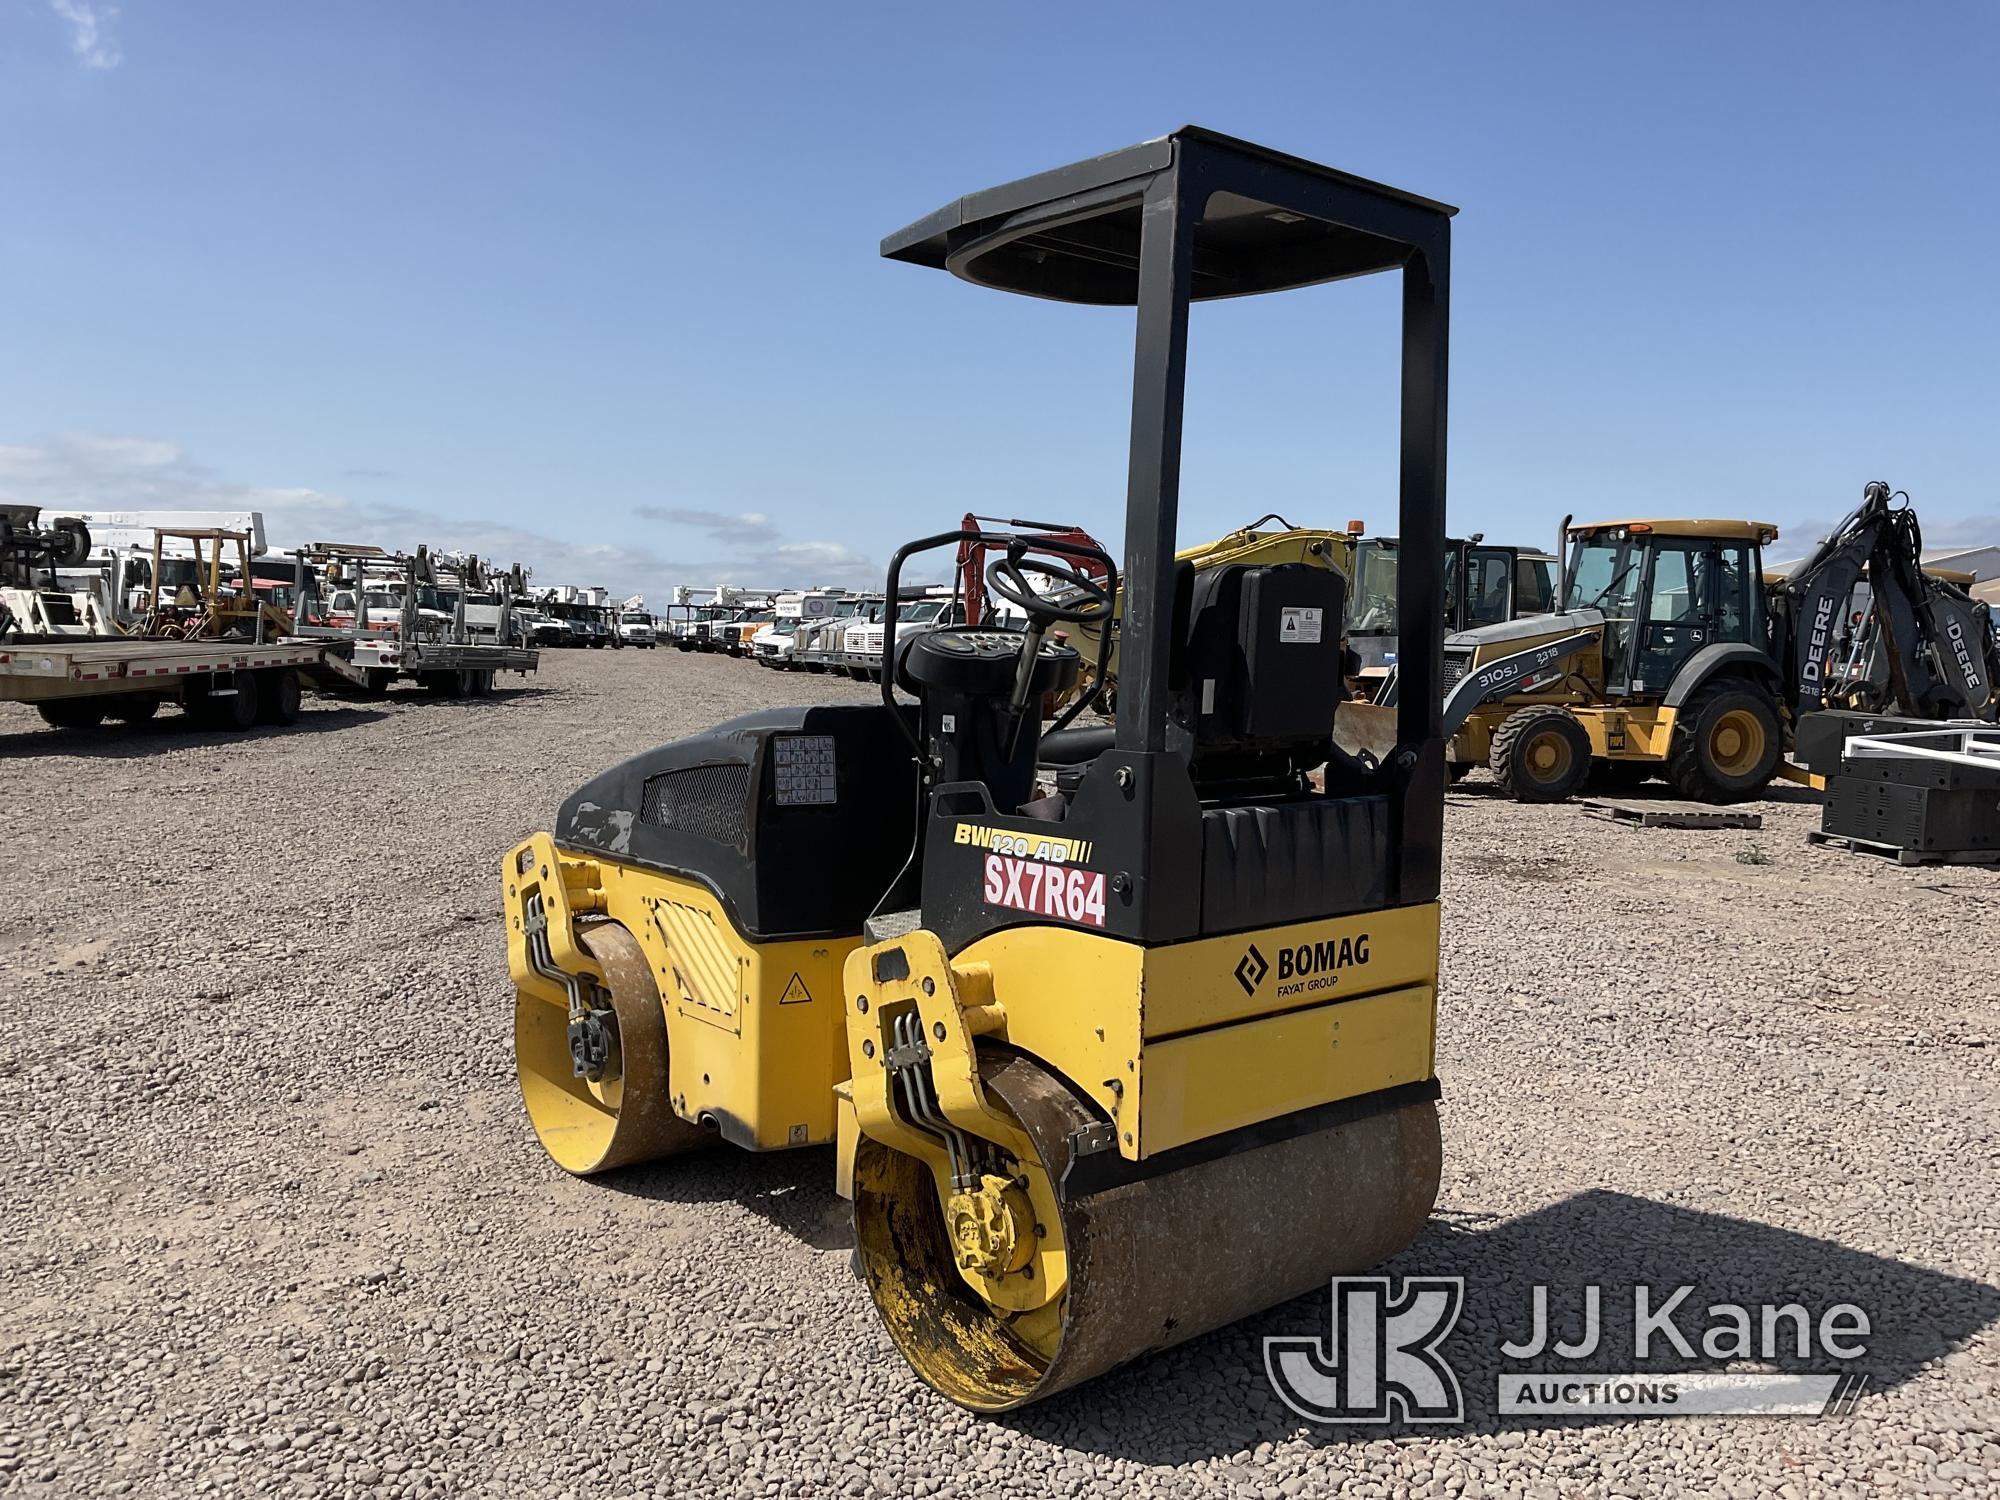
[817, 640]
[913, 618]
[772, 645]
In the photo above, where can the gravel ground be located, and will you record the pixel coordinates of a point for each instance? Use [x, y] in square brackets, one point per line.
[276, 1223]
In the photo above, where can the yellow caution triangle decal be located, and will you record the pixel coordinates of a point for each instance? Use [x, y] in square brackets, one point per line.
[796, 992]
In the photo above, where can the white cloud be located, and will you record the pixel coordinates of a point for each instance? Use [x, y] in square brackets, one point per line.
[92, 471]
[750, 529]
[749, 552]
[90, 35]
[101, 471]
[1962, 531]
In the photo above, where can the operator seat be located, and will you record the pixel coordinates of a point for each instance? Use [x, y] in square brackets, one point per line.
[1258, 671]
[1254, 677]
[1254, 681]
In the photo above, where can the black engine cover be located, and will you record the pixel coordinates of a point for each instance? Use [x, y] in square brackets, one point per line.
[799, 819]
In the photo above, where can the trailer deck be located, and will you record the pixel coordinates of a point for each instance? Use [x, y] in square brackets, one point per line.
[223, 682]
[39, 671]
[376, 660]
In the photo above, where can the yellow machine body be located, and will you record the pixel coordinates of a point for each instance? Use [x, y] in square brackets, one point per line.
[1169, 1043]
[754, 1030]
[1172, 1044]
[1146, 1049]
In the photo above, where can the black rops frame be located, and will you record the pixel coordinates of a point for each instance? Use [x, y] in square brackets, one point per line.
[1196, 215]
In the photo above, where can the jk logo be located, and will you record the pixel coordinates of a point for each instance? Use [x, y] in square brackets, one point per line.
[1380, 1361]
[1251, 969]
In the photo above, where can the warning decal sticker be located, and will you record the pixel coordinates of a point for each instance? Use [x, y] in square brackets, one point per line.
[1299, 625]
[804, 764]
[796, 992]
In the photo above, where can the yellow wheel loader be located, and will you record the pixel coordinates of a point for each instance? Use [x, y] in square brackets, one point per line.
[1119, 1033]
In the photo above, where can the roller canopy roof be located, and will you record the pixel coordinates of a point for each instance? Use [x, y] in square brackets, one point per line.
[1073, 234]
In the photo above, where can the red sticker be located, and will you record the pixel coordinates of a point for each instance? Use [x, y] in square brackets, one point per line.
[1067, 894]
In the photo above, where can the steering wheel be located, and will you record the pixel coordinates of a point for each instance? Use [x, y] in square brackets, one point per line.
[1009, 579]
[986, 662]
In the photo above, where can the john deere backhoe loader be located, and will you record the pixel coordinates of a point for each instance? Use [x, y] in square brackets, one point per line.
[1107, 1065]
[1675, 655]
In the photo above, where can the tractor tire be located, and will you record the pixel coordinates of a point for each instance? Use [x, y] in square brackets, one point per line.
[1540, 754]
[71, 713]
[135, 708]
[1726, 743]
[278, 700]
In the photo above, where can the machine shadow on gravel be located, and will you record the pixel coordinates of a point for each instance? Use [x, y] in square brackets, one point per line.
[173, 732]
[1612, 1240]
[790, 1189]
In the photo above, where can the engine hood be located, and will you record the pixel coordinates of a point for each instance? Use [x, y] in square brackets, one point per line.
[1528, 628]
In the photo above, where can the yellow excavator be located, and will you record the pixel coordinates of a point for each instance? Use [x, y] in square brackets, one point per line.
[1119, 1032]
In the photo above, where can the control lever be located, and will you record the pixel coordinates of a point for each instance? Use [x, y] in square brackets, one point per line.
[1024, 680]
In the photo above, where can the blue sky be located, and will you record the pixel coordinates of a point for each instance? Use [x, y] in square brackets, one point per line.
[597, 285]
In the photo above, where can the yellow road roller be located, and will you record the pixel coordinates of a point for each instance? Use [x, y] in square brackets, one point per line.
[1119, 1032]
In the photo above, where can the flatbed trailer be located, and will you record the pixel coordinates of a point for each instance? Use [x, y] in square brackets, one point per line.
[224, 683]
[452, 668]
[404, 637]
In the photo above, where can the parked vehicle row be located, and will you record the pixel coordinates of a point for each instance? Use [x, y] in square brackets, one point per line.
[819, 630]
[198, 618]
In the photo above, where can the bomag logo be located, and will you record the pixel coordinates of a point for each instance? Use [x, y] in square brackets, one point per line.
[1060, 851]
[1251, 969]
[1308, 968]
